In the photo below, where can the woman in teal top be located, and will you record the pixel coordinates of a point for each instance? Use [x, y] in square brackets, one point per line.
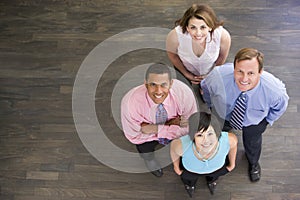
[205, 151]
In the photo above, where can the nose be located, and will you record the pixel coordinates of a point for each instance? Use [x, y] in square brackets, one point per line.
[199, 32]
[204, 138]
[158, 89]
[244, 77]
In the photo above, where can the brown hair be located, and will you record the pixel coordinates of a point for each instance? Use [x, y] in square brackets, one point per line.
[248, 54]
[203, 12]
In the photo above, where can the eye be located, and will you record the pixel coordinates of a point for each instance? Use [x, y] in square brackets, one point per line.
[239, 71]
[210, 133]
[251, 73]
[164, 85]
[152, 84]
[203, 27]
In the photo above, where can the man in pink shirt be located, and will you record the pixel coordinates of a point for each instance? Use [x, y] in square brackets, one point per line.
[156, 112]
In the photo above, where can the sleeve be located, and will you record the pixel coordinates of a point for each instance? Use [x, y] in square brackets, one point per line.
[211, 86]
[187, 106]
[131, 121]
[206, 95]
[278, 107]
[214, 90]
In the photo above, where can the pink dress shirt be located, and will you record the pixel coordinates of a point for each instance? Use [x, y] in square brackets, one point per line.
[138, 107]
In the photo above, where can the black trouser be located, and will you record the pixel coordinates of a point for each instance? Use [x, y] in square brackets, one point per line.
[252, 139]
[190, 178]
[147, 149]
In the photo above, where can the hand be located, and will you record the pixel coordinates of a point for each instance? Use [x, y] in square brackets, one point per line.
[144, 124]
[173, 121]
[195, 82]
[184, 122]
[230, 167]
[178, 171]
[179, 121]
[199, 78]
[201, 91]
[147, 128]
[193, 78]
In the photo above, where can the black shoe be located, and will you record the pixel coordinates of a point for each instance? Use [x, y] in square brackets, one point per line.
[212, 186]
[254, 172]
[190, 190]
[154, 167]
[157, 173]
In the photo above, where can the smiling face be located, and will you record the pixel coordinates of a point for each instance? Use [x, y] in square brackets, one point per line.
[246, 74]
[198, 29]
[158, 87]
[205, 141]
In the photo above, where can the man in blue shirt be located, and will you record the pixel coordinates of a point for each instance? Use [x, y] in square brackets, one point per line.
[264, 100]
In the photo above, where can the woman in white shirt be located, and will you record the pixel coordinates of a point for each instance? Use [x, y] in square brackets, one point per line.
[198, 43]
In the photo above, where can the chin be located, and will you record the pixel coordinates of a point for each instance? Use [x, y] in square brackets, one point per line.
[244, 88]
[199, 40]
[158, 101]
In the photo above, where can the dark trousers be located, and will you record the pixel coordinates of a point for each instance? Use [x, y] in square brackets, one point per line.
[190, 178]
[252, 139]
[147, 149]
[194, 88]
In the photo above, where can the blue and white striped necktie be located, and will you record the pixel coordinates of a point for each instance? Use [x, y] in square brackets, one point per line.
[238, 113]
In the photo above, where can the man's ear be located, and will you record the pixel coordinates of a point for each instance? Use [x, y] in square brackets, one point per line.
[261, 71]
[171, 83]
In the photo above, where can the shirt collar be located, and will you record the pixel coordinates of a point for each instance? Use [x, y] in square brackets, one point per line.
[252, 91]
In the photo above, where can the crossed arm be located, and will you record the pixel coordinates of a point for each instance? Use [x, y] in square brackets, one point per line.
[180, 121]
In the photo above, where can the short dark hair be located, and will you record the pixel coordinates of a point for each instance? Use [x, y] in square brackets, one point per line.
[200, 121]
[158, 68]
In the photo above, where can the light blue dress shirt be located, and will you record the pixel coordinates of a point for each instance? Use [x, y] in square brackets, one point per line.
[268, 99]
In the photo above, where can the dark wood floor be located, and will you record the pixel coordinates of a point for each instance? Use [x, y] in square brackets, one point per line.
[44, 43]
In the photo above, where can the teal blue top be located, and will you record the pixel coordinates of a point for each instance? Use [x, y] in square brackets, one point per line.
[193, 164]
